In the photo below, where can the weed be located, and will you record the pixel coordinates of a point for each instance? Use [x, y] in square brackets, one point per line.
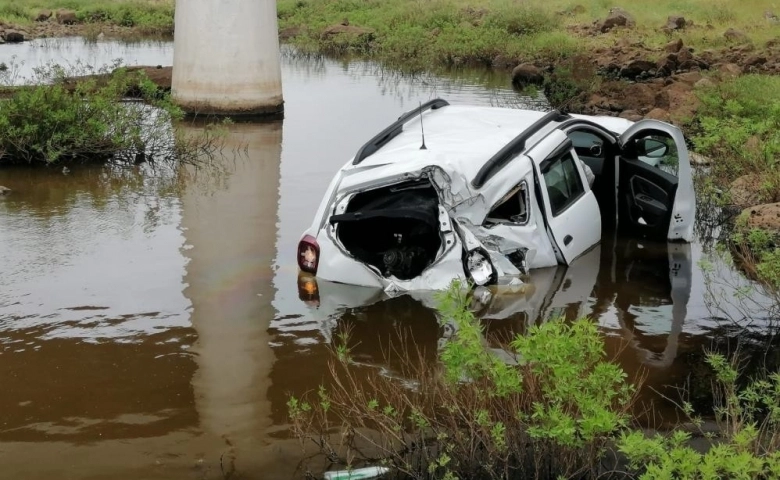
[747, 446]
[549, 412]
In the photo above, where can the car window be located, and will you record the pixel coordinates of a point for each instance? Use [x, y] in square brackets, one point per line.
[512, 208]
[563, 182]
[587, 144]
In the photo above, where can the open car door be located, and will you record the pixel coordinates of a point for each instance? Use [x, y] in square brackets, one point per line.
[655, 183]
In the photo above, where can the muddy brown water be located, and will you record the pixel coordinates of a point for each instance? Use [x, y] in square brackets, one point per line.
[151, 324]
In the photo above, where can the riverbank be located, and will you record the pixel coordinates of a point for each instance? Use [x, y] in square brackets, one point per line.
[22, 20]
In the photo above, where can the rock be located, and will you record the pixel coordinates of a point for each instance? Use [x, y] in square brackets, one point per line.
[288, 33]
[746, 191]
[675, 22]
[347, 29]
[4, 190]
[66, 17]
[667, 65]
[658, 114]
[730, 70]
[699, 160]
[674, 46]
[688, 78]
[736, 36]
[631, 115]
[766, 217]
[638, 67]
[12, 36]
[43, 15]
[704, 83]
[617, 18]
[526, 74]
[755, 61]
[771, 17]
[684, 55]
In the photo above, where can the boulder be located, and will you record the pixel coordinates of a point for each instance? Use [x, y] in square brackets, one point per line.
[736, 36]
[746, 191]
[66, 17]
[755, 61]
[699, 160]
[730, 70]
[658, 114]
[631, 115]
[674, 46]
[675, 22]
[637, 68]
[771, 17]
[526, 74]
[43, 15]
[617, 18]
[4, 190]
[766, 217]
[704, 83]
[12, 36]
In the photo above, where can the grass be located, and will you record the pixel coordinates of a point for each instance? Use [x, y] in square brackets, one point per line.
[554, 407]
[145, 16]
[429, 33]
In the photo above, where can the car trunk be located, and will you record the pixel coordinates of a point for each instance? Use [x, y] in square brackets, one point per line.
[394, 229]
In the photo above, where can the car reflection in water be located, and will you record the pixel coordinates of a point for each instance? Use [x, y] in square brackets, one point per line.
[636, 290]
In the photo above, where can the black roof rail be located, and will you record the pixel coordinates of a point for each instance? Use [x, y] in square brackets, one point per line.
[394, 129]
[513, 148]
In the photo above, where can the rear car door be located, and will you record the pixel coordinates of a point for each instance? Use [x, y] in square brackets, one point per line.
[571, 211]
[655, 182]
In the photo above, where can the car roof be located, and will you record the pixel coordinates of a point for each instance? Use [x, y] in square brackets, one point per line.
[462, 136]
[462, 139]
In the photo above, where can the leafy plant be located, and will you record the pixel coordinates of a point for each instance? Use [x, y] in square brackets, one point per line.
[548, 409]
[747, 447]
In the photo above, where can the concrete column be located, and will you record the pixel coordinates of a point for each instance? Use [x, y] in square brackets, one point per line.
[226, 57]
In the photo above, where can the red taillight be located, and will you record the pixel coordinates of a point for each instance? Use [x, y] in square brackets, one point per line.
[308, 254]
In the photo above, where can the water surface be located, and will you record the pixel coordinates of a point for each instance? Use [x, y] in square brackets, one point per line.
[151, 324]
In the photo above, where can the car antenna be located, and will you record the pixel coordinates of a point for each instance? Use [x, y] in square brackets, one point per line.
[423, 147]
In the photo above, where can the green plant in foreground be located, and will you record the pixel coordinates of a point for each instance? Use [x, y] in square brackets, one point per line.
[551, 412]
[749, 421]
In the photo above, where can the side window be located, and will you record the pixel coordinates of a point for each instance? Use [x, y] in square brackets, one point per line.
[563, 182]
[587, 144]
[512, 208]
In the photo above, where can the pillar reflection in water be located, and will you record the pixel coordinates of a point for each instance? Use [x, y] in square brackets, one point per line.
[229, 221]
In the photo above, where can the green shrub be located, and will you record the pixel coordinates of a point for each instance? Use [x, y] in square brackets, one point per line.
[549, 412]
[54, 123]
[747, 447]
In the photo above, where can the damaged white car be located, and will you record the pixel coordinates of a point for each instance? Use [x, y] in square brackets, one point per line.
[484, 194]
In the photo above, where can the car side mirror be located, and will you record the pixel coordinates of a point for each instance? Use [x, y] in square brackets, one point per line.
[595, 150]
[652, 148]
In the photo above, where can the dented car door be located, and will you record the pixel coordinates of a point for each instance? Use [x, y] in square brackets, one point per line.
[570, 207]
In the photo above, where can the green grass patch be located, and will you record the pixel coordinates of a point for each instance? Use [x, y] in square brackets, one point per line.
[430, 33]
[150, 16]
[739, 127]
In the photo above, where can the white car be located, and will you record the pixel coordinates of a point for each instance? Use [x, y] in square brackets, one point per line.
[484, 194]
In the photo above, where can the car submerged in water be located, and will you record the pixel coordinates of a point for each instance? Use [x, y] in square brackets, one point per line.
[484, 194]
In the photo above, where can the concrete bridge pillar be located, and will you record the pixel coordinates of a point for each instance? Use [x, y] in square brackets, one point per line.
[226, 57]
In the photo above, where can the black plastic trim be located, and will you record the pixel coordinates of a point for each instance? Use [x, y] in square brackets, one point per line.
[513, 148]
[392, 131]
